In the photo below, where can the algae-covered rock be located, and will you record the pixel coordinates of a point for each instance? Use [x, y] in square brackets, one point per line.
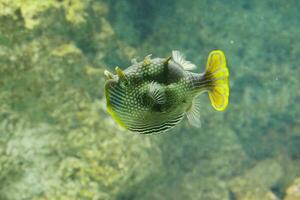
[257, 194]
[209, 188]
[291, 170]
[75, 11]
[66, 49]
[256, 183]
[190, 186]
[29, 9]
[293, 191]
[56, 139]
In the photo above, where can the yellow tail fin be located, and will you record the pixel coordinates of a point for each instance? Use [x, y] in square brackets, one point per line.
[218, 73]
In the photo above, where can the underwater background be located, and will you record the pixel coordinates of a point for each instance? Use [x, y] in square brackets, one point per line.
[57, 141]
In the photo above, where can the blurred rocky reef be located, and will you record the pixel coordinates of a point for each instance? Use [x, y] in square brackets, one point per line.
[57, 141]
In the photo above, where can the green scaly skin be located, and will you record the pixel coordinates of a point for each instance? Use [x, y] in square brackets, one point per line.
[129, 103]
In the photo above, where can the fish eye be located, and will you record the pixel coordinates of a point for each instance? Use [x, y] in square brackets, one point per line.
[145, 100]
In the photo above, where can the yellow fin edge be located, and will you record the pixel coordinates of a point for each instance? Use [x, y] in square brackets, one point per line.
[218, 73]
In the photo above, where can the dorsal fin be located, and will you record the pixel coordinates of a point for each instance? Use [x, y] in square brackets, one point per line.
[134, 61]
[179, 58]
[147, 60]
[157, 93]
[193, 114]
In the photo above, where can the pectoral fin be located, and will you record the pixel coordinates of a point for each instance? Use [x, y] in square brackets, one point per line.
[157, 93]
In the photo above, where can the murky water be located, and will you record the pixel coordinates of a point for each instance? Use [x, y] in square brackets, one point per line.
[58, 142]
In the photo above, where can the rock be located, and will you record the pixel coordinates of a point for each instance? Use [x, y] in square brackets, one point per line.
[208, 188]
[252, 192]
[256, 183]
[293, 191]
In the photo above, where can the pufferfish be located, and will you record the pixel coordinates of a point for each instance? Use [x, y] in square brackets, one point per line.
[154, 95]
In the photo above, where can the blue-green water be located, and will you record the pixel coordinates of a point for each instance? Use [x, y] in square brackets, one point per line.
[58, 142]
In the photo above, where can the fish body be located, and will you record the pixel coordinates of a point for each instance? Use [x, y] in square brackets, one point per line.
[153, 96]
